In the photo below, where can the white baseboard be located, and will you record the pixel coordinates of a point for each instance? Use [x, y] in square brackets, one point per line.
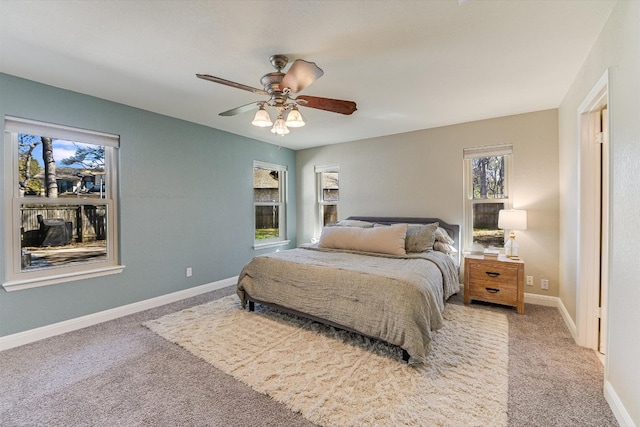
[32, 335]
[571, 325]
[541, 300]
[554, 302]
[618, 409]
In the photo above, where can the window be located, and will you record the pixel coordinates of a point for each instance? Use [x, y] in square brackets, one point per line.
[269, 200]
[486, 192]
[327, 179]
[61, 189]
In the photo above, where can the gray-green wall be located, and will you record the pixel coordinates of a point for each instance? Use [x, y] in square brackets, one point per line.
[185, 201]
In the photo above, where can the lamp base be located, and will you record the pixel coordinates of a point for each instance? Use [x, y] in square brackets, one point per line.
[511, 247]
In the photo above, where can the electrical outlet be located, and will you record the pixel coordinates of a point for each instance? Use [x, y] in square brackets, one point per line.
[529, 280]
[544, 283]
[189, 272]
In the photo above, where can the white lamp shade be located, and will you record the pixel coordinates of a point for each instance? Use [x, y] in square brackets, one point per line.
[294, 118]
[262, 119]
[512, 219]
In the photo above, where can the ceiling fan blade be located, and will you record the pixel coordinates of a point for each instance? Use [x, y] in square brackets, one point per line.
[327, 104]
[232, 84]
[240, 110]
[300, 75]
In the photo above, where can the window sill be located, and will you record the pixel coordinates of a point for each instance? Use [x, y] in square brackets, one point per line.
[20, 284]
[271, 244]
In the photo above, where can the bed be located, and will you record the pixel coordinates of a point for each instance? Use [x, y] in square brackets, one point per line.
[377, 276]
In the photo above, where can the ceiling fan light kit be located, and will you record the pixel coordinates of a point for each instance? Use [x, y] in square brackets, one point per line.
[280, 126]
[279, 87]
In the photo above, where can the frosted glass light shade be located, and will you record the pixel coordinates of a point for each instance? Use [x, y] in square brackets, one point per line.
[512, 219]
[294, 118]
[262, 119]
[280, 127]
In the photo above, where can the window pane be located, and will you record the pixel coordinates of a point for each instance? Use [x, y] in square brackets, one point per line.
[488, 177]
[266, 185]
[267, 222]
[330, 186]
[330, 214]
[62, 235]
[269, 196]
[330, 195]
[485, 224]
[50, 167]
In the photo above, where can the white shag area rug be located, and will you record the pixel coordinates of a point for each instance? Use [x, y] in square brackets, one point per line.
[338, 378]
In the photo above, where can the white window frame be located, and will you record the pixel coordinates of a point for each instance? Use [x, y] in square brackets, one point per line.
[320, 202]
[505, 150]
[15, 278]
[281, 240]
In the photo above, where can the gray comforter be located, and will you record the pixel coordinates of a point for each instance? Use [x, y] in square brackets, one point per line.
[398, 299]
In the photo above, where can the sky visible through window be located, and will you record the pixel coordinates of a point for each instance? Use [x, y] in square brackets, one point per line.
[62, 149]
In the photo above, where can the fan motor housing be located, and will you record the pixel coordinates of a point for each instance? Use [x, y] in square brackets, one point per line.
[271, 82]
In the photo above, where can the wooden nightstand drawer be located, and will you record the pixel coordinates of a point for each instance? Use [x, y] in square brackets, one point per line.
[494, 272]
[501, 294]
[499, 281]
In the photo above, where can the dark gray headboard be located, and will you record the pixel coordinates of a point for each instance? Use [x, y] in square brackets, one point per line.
[452, 229]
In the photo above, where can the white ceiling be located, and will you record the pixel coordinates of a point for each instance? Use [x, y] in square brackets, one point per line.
[409, 65]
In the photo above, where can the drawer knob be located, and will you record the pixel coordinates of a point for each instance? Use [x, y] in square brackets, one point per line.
[493, 290]
[492, 273]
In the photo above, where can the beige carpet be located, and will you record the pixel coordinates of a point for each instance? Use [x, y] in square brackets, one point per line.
[336, 378]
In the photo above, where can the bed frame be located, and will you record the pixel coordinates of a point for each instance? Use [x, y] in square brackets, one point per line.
[453, 230]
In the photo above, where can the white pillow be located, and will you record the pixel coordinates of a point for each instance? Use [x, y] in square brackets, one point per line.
[443, 236]
[444, 247]
[385, 240]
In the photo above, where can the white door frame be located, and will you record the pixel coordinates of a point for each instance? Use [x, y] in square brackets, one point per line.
[588, 313]
[604, 271]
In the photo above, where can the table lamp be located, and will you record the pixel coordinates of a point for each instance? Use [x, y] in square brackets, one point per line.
[512, 219]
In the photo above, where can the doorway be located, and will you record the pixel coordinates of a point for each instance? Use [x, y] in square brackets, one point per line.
[593, 245]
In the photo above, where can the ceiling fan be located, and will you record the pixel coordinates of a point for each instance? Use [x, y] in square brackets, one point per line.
[280, 87]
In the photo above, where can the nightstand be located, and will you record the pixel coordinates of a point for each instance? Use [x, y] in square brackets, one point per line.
[498, 280]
